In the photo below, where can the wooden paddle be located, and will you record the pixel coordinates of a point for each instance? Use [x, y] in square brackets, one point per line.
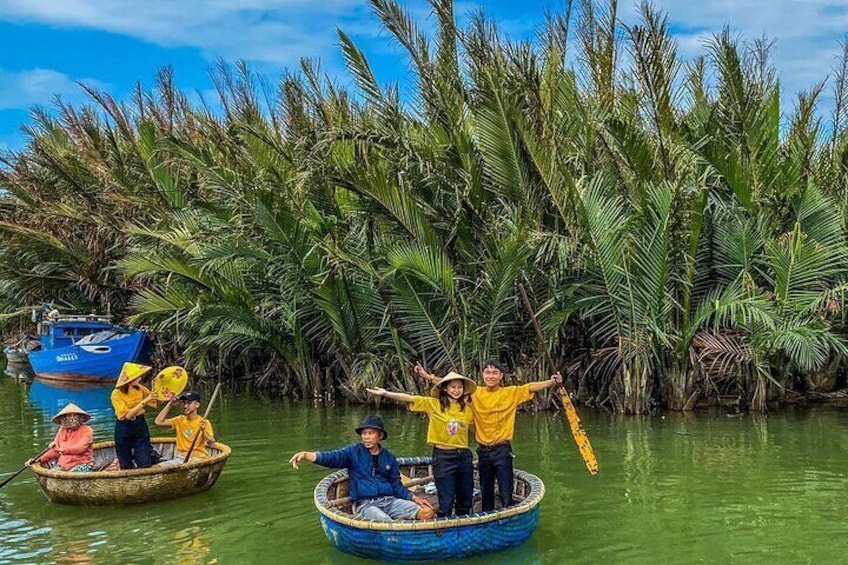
[577, 430]
[25, 467]
[208, 408]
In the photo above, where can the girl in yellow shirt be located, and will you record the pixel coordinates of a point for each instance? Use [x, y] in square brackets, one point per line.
[132, 436]
[450, 419]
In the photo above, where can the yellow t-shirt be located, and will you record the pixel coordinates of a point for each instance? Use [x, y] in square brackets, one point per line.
[124, 402]
[448, 428]
[186, 430]
[494, 412]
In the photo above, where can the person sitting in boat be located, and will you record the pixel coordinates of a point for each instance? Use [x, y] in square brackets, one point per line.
[447, 433]
[72, 445]
[494, 407]
[187, 426]
[375, 484]
[132, 436]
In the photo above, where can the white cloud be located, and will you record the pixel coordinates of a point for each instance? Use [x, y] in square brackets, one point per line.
[22, 89]
[267, 31]
[807, 32]
[274, 33]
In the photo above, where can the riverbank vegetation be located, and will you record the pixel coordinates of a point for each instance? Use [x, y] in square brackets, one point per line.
[680, 237]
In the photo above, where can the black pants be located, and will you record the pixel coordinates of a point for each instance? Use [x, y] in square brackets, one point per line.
[453, 471]
[132, 443]
[495, 463]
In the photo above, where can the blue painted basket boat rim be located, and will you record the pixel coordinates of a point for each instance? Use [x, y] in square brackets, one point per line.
[531, 501]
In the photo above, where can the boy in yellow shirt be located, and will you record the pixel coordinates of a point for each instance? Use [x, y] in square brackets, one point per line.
[494, 410]
[187, 426]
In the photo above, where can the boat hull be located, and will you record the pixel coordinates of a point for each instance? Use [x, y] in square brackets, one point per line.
[98, 362]
[15, 357]
[136, 486]
[434, 544]
[431, 540]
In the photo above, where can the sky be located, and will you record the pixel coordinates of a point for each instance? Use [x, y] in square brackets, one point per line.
[52, 45]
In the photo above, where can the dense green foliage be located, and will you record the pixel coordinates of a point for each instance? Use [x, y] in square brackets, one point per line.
[679, 240]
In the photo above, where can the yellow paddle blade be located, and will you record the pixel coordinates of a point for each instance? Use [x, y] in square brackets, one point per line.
[579, 434]
[170, 380]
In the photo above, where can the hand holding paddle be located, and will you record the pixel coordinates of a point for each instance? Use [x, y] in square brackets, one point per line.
[202, 423]
[29, 462]
[577, 430]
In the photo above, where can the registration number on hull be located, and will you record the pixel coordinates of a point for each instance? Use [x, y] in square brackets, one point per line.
[66, 357]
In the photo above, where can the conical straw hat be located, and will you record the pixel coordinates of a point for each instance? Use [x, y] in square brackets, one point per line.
[469, 385]
[71, 408]
[131, 372]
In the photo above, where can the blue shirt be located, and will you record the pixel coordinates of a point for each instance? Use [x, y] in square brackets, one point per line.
[370, 476]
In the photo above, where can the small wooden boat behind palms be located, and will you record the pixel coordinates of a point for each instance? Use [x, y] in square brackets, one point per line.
[133, 486]
[442, 538]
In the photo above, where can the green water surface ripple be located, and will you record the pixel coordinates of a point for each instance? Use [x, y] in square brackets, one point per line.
[684, 488]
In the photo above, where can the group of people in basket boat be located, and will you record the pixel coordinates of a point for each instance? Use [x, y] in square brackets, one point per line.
[71, 448]
[455, 403]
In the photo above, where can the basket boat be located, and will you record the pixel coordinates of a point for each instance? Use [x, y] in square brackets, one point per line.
[438, 539]
[133, 486]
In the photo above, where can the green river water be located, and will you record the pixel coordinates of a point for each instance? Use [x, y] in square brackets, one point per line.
[684, 488]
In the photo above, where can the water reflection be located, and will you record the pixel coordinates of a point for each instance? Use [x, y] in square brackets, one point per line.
[19, 372]
[686, 488]
[50, 398]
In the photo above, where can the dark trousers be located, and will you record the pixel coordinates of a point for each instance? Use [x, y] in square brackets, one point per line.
[453, 471]
[132, 443]
[495, 463]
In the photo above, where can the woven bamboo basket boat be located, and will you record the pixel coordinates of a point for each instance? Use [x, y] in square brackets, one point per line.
[416, 540]
[133, 486]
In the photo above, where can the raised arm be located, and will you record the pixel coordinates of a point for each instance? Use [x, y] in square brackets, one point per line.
[335, 459]
[421, 372]
[399, 396]
[555, 380]
[162, 417]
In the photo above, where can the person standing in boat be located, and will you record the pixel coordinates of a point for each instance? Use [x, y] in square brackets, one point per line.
[72, 445]
[447, 433]
[375, 485]
[187, 426]
[494, 407]
[132, 436]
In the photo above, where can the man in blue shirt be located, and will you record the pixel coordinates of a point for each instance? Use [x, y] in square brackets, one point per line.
[375, 486]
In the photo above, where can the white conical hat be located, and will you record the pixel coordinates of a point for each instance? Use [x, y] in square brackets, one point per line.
[71, 408]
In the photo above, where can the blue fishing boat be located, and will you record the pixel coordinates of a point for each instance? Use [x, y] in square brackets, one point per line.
[85, 348]
[427, 540]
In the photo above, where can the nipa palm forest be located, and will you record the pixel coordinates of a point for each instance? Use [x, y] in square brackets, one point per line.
[681, 236]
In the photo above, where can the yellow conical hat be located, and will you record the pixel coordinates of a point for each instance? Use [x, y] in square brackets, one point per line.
[131, 372]
[71, 408]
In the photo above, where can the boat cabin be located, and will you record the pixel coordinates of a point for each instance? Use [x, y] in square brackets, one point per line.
[64, 331]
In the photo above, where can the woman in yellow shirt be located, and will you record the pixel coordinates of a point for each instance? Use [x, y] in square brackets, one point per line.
[132, 436]
[450, 419]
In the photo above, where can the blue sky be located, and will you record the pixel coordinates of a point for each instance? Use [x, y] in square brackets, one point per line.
[50, 45]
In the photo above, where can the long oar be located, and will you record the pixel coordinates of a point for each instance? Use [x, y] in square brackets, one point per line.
[205, 414]
[577, 430]
[24, 468]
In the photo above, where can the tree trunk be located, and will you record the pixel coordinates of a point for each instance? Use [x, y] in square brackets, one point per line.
[824, 379]
[635, 381]
[679, 388]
